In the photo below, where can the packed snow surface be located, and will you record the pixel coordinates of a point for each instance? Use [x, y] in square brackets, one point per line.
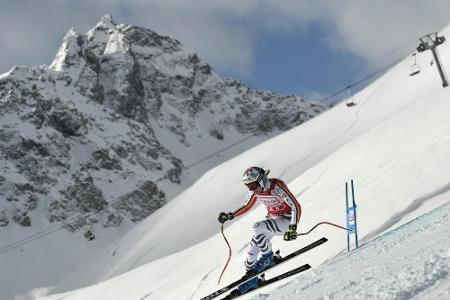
[410, 262]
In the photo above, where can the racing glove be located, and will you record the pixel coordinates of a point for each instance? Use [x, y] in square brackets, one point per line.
[223, 217]
[291, 234]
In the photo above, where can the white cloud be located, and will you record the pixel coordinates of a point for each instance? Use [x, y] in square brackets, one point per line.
[371, 29]
[225, 33]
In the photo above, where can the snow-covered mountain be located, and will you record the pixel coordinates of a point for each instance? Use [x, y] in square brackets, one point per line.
[394, 143]
[120, 114]
[118, 124]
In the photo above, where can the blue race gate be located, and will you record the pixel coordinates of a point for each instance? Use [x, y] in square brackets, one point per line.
[351, 216]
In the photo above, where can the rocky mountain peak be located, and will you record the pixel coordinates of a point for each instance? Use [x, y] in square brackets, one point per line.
[109, 128]
[107, 22]
[69, 52]
[98, 36]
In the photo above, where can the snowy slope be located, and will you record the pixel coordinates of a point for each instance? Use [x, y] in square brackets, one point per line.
[409, 262]
[394, 143]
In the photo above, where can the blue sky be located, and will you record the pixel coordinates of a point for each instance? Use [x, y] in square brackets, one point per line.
[302, 63]
[304, 47]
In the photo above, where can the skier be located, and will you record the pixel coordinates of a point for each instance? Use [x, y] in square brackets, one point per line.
[283, 215]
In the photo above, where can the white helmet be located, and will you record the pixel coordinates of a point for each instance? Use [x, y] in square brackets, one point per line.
[255, 174]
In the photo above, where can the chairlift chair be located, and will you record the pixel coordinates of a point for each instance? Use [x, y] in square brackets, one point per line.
[415, 69]
[350, 100]
[89, 235]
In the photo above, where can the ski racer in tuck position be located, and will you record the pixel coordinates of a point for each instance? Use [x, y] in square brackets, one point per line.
[283, 215]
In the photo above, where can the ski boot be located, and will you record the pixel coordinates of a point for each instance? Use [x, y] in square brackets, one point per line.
[266, 261]
[236, 292]
[277, 257]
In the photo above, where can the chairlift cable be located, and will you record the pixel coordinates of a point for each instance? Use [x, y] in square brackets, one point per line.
[361, 80]
[42, 233]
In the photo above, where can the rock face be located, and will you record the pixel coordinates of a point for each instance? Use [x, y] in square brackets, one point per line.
[102, 134]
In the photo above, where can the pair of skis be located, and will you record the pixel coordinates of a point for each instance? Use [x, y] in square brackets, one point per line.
[264, 283]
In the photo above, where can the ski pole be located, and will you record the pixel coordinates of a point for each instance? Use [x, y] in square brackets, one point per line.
[321, 223]
[229, 255]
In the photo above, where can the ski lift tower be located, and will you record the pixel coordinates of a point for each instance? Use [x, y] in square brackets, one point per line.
[430, 42]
